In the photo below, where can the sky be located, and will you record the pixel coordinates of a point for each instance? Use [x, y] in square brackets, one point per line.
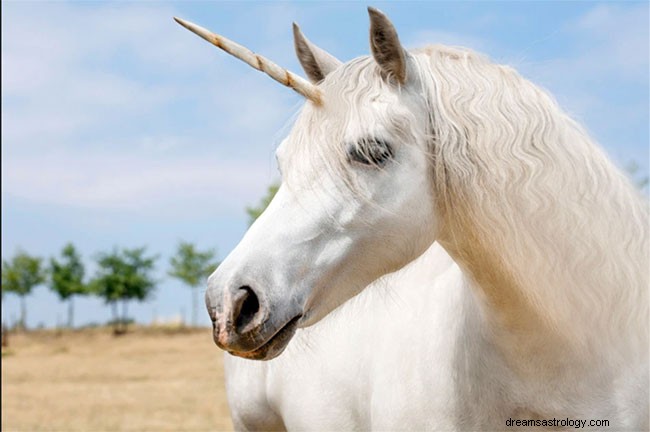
[122, 129]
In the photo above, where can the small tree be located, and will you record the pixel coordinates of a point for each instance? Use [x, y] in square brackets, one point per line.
[639, 179]
[123, 276]
[255, 212]
[20, 276]
[66, 278]
[192, 267]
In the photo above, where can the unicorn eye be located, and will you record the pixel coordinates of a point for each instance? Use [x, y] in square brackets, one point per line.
[370, 151]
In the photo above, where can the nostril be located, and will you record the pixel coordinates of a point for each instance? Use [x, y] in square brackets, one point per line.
[249, 308]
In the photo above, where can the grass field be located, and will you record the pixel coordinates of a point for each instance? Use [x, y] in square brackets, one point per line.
[146, 380]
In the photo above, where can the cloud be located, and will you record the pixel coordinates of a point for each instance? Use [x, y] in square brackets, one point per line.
[108, 181]
[68, 69]
[103, 103]
[608, 42]
[621, 36]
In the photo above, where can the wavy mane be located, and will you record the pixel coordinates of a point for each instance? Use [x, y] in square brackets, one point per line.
[528, 181]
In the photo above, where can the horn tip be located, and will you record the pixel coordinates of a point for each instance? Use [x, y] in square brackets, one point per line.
[296, 29]
[183, 23]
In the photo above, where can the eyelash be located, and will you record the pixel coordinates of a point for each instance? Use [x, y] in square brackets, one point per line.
[370, 151]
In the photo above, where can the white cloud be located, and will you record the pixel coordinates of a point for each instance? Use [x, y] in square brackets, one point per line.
[609, 42]
[621, 36]
[67, 68]
[111, 181]
[77, 103]
[103, 103]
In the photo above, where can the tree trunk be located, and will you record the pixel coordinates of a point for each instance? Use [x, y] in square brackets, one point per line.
[124, 314]
[70, 312]
[5, 336]
[115, 317]
[194, 305]
[23, 313]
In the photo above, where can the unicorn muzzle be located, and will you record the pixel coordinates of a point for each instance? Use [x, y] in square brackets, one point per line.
[243, 325]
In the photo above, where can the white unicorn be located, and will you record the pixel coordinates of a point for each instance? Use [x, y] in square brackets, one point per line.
[522, 299]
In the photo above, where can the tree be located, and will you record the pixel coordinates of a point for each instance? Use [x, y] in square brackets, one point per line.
[66, 278]
[639, 179]
[122, 276]
[20, 276]
[192, 267]
[255, 212]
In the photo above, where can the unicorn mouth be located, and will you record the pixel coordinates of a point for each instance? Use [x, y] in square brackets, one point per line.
[274, 346]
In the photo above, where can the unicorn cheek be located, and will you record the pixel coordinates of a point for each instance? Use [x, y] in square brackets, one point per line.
[257, 295]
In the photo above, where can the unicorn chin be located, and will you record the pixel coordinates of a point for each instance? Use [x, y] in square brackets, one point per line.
[274, 346]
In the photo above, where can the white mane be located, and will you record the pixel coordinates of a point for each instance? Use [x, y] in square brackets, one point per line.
[530, 184]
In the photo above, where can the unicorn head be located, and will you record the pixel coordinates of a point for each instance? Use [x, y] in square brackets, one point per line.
[355, 201]
[397, 150]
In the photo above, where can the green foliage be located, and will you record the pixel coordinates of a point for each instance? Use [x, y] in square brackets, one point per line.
[192, 266]
[66, 276]
[638, 178]
[124, 275]
[255, 212]
[21, 274]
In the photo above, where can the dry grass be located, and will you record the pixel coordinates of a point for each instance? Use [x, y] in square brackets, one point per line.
[146, 380]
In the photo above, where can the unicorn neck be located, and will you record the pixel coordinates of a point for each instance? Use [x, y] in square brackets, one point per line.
[552, 235]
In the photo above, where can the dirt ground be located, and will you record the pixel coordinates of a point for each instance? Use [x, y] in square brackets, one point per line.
[146, 380]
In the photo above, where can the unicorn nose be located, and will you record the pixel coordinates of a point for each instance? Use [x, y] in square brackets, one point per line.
[238, 315]
[243, 310]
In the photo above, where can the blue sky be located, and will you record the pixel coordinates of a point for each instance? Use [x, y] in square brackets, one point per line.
[120, 128]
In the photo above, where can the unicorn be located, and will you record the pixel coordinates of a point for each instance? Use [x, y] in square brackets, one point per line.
[448, 250]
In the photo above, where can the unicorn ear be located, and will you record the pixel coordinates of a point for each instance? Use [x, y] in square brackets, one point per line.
[385, 46]
[316, 62]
